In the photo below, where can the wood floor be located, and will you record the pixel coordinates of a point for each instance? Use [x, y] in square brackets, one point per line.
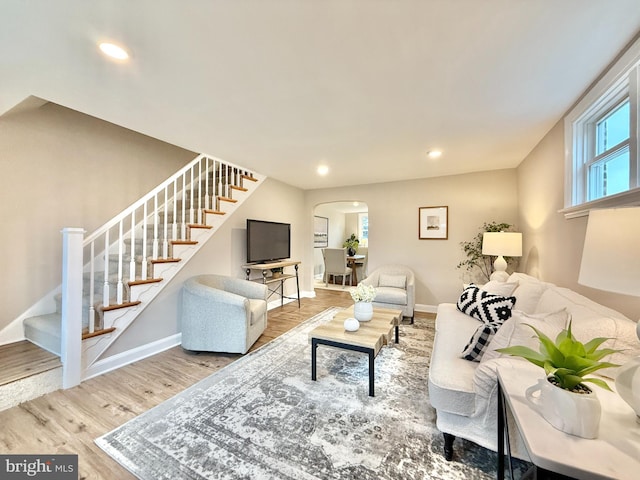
[21, 359]
[68, 421]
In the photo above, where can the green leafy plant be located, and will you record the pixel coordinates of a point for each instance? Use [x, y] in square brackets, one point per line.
[476, 261]
[351, 242]
[566, 361]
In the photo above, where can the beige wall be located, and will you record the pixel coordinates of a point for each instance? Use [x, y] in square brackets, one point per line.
[61, 168]
[224, 253]
[393, 223]
[552, 245]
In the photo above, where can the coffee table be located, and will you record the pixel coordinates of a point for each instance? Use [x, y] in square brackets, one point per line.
[369, 338]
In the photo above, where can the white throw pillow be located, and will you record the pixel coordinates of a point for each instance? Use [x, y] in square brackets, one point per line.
[516, 331]
[396, 281]
[499, 288]
[528, 296]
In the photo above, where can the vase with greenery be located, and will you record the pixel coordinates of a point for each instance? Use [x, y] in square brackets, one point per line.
[277, 272]
[479, 266]
[565, 400]
[351, 244]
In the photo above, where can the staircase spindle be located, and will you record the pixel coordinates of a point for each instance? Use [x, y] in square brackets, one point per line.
[92, 271]
[132, 259]
[191, 203]
[105, 287]
[165, 244]
[145, 219]
[156, 219]
[198, 218]
[120, 285]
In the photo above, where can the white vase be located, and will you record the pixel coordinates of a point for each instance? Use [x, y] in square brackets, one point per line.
[628, 384]
[363, 311]
[351, 324]
[574, 413]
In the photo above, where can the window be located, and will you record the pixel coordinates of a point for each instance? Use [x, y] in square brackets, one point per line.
[363, 229]
[601, 137]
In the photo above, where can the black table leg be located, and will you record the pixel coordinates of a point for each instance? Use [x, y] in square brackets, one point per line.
[314, 347]
[501, 421]
[397, 333]
[371, 374]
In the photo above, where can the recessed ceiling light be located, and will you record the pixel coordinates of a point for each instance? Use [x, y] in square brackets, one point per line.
[322, 170]
[434, 153]
[114, 51]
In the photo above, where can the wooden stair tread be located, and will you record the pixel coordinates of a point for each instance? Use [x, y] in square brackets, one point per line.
[214, 212]
[144, 282]
[227, 199]
[198, 225]
[247, 177]
[242, 189]
[96, 333]
[183, 242]
[23, 359]
[166, 260]
[120, 305]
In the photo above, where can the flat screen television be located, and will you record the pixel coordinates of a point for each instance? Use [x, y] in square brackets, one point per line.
[267, 241]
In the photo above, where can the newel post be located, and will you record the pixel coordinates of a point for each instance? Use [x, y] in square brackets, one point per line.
[71, 334]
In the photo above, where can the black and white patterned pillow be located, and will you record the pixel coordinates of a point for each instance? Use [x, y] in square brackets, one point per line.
[480, 341]
[485, 306]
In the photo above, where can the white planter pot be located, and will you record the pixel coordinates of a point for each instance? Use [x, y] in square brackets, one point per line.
[574, 413]
[363, 311]
[628, 384]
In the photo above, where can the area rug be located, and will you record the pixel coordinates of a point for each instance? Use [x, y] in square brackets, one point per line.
[262, 417]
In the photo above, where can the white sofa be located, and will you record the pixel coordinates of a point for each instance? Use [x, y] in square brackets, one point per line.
[464, 393]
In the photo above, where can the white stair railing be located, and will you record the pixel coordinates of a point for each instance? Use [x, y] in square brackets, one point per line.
[149, 226]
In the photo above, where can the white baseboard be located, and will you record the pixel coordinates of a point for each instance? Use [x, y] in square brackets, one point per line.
[426, 308]
[125, 358]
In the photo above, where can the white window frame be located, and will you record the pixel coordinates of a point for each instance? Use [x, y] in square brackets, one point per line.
[364, 242]
[622, 80]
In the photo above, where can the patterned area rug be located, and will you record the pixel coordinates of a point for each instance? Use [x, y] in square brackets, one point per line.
[262, 417]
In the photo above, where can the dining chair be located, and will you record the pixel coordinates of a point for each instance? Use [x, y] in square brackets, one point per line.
[335, 264]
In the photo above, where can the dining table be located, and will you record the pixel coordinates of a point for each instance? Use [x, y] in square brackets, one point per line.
[352, 260]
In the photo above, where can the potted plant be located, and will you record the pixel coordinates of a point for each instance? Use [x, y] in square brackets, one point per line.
[363, 296]
[477, 264]
[276, 272]
[564, 400]
[351, 244]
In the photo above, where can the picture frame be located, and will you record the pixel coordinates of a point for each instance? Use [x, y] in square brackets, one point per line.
[320, 232]
[433, 223]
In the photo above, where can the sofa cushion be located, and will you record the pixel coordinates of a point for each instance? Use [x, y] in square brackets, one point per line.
[480, 340]
[396, 281]
[516, 331]
[396, 296]
[484, 306]
[451, 377]
[496, 287]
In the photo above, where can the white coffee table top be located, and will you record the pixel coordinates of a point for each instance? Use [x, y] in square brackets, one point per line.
[615, 454]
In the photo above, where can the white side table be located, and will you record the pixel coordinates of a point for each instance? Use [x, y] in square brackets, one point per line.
[615, 454]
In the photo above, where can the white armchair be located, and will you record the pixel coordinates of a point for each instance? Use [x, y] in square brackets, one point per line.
[395, 288]
[222, 314]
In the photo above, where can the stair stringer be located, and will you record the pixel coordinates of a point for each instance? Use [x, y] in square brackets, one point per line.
[94, 347]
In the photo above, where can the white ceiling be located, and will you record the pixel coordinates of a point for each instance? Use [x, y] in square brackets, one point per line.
[281, 86]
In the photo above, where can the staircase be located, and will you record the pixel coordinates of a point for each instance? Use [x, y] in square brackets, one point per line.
[125, 264]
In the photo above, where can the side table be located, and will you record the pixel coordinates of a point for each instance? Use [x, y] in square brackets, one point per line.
[615, 454]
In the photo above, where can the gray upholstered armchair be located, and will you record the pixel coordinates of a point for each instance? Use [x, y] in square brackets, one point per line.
[395, 288]
[222, 314]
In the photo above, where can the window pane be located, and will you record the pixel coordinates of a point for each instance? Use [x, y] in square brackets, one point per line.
[363, 220]
[612, 129]
[609, 176]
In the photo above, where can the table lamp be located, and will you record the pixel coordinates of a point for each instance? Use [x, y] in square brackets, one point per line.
[611, 262]
[501, 244]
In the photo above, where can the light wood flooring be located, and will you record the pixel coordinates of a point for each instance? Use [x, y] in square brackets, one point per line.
[68, 421]
[22, 359]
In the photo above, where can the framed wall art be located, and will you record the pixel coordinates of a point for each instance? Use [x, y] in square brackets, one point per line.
[433, 223]
[320, 232]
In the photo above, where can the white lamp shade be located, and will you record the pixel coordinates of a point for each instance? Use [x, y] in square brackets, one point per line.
[506, 244]
[611, 253]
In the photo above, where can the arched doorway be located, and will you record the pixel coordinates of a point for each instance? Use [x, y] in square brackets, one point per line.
[334, 222]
